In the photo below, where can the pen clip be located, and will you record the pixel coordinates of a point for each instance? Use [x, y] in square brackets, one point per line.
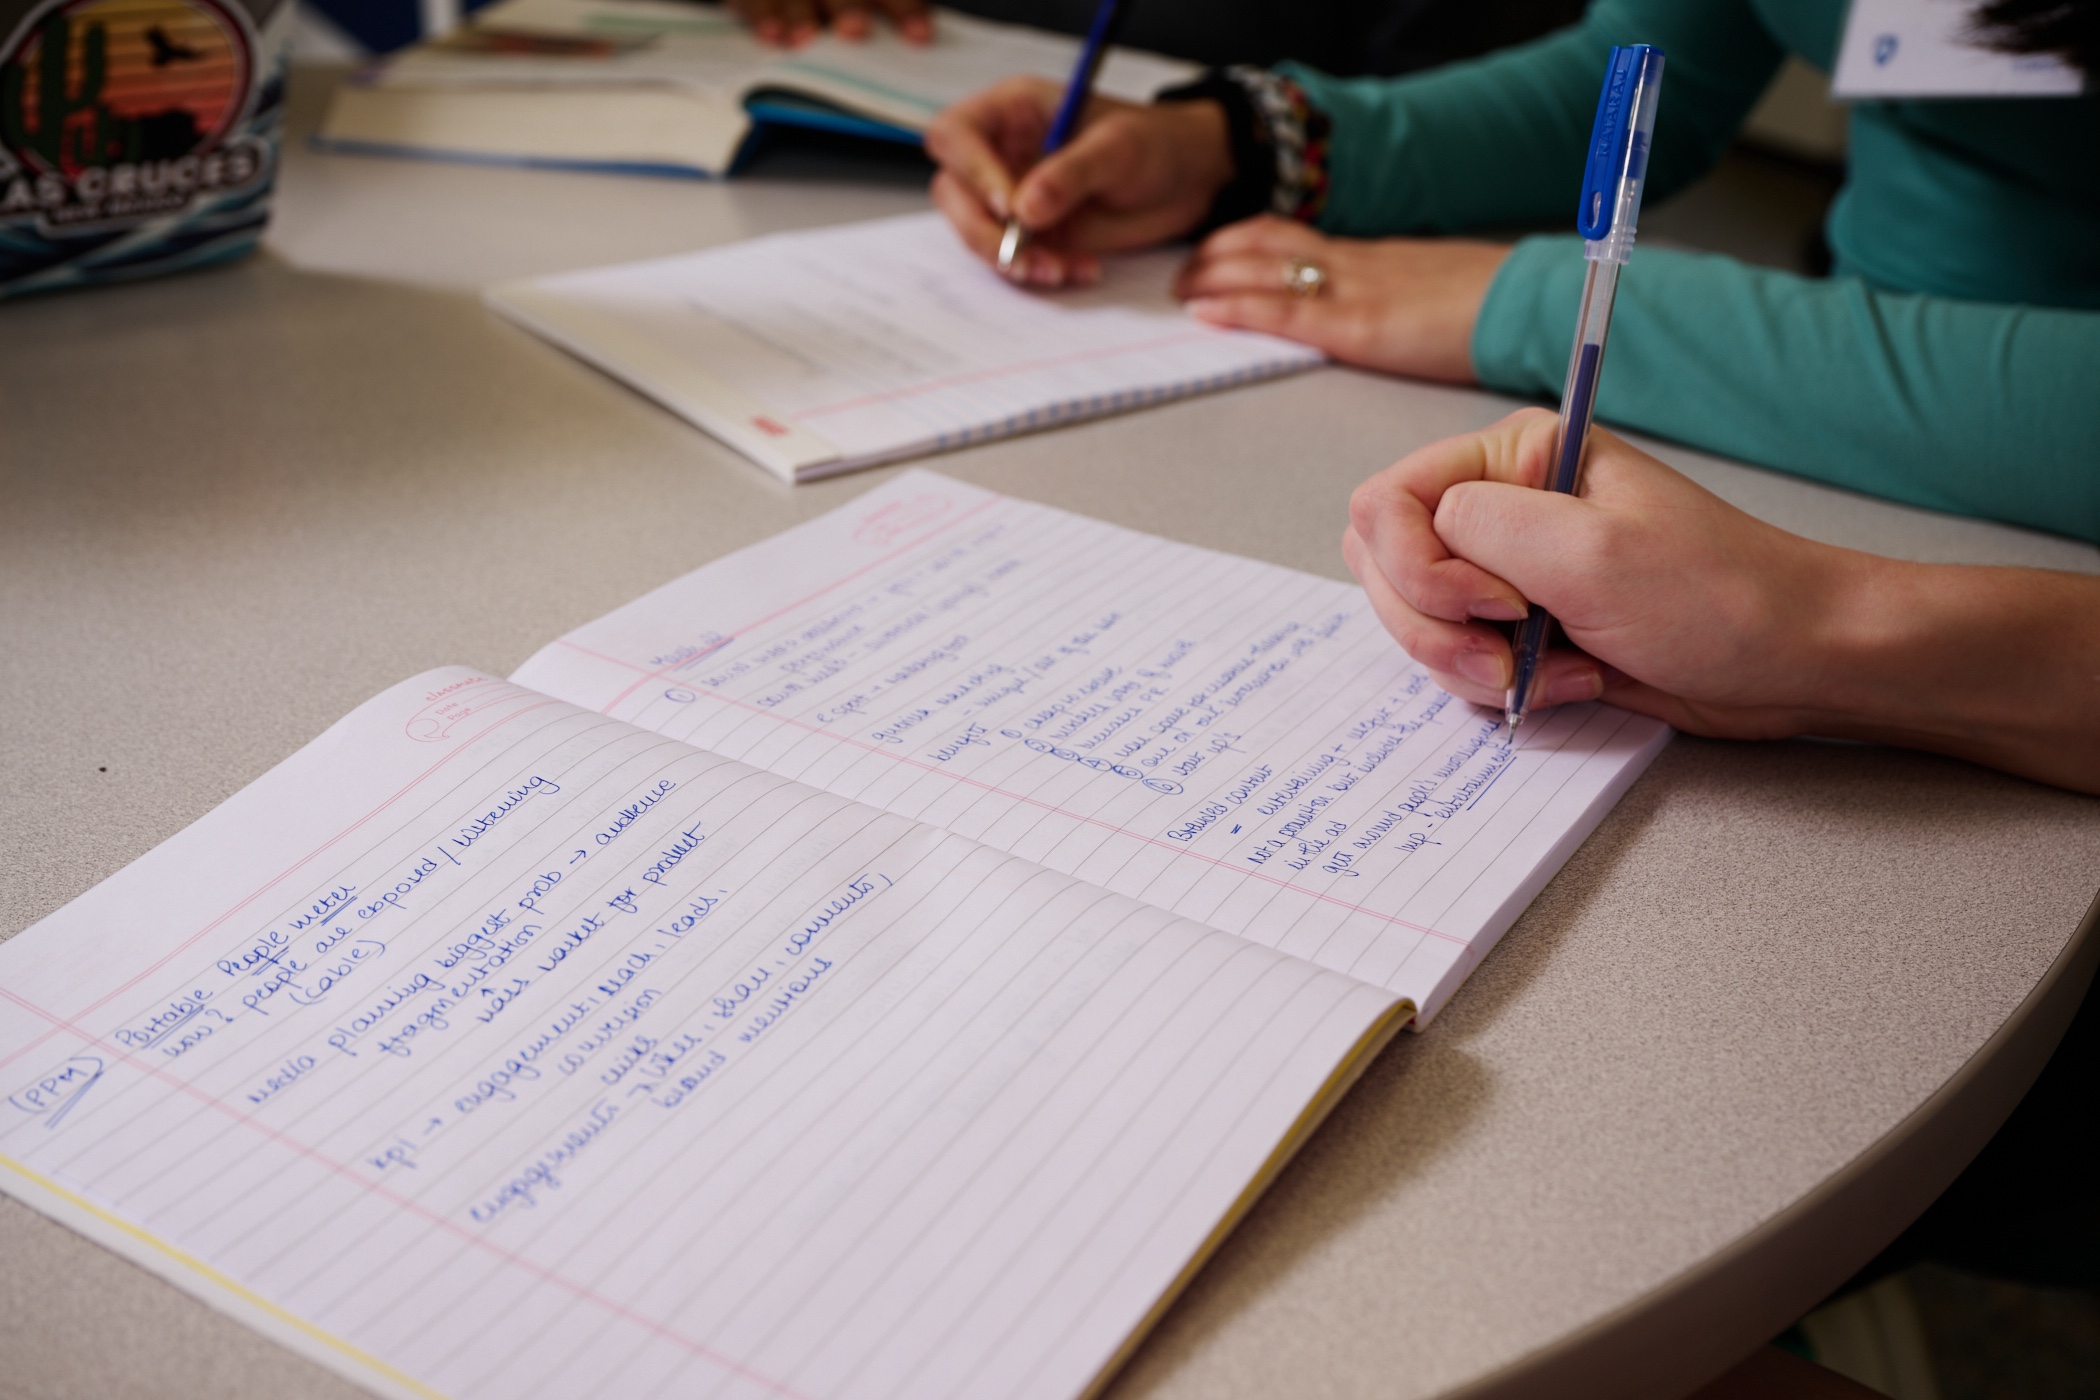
[1616, 151]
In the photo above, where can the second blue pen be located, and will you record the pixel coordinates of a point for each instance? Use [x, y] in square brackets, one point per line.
[1099, 35]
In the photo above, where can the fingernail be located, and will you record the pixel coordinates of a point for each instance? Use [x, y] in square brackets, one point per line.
[1573, 687]
[1495, 610]
[1483, 668]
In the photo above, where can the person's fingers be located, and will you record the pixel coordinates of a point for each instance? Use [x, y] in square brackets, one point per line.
[979, 231]
[913, 18]
[966, 158]
[1340, 328]
[1394, 512]
[1264, 233]
[849, 19]
[1244, 272]
[1104, 152]
[1549, 544]
[981, 139]
[786, 22]
[763, 18]
[1566, 677]
[1471, 660]
[1276, 313]
[1047, 264]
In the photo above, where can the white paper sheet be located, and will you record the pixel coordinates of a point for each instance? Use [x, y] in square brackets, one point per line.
[1234, 741]
[823, 351]
[1929, 48]
[491, 1048]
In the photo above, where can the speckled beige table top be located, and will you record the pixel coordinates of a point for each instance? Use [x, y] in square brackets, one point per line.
[1758, 1020]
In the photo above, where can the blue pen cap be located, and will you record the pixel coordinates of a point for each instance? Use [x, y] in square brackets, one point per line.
[1619, 139]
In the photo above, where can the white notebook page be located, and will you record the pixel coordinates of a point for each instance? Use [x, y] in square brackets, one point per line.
[821, 351]
[488, 1047]
[1234, 741]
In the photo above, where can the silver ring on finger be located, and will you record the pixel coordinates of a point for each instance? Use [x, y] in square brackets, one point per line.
[1304, 277]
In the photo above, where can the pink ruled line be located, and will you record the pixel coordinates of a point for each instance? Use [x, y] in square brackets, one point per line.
[274, 881]
[657, 675]
[1024, 798]
[980, 375]
[409, 1205]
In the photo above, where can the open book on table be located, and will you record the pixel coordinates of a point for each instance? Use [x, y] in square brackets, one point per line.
[882, 963]
[666, 87]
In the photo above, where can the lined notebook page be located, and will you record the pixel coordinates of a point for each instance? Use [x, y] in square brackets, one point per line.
[821, 351]
[1234, 741]
[489, 1047]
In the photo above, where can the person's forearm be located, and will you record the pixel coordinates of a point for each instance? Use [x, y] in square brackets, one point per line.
[1968, 407]
[1997, 665]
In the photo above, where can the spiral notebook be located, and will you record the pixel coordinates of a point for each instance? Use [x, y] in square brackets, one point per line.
[820, 352]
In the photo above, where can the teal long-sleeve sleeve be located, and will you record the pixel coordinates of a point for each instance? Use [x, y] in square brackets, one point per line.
[1973, 407]
[1500, 141]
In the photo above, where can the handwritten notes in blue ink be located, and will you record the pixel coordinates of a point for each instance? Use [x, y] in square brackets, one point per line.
[874, 965]
[1236, 742]
[490, 1047]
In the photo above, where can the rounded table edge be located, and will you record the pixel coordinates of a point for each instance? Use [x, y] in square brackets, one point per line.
[1689, 1330]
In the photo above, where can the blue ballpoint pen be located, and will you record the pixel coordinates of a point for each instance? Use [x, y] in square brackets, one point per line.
[1098, 36]
[1611, 206]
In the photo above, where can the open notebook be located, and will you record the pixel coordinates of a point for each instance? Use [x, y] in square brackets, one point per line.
[883, 963]
[668, 87]
[831, 349]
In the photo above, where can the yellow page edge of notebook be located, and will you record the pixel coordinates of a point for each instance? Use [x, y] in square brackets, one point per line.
[678, 127]
[207, 1284]
[721, 410]
[1396, 1018]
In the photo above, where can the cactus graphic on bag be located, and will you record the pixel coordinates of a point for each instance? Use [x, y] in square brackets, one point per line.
[136, 137]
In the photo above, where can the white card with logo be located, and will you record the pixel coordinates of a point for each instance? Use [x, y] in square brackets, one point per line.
[1930, 48]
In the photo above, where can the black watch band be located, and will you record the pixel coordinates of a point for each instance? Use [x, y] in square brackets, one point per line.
[1252, 189]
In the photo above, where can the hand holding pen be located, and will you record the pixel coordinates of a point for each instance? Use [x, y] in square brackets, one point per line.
[1612, 180]
[1099, 34]
[1123, 175]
